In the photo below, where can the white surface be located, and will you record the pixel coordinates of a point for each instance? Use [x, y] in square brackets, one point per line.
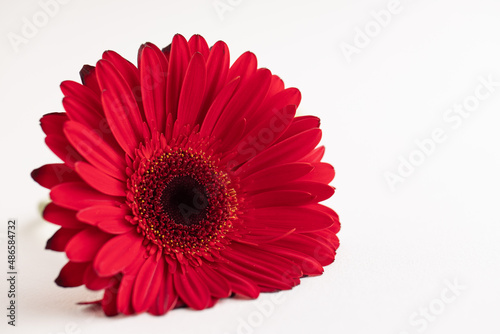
[398, 248]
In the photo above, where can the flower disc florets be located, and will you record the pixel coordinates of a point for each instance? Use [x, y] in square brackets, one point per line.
[181, 200]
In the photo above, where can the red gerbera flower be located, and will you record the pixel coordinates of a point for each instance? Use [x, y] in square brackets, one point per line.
[185, 180]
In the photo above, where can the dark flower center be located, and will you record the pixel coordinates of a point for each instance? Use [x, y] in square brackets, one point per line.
[181, 201]
[185, 200]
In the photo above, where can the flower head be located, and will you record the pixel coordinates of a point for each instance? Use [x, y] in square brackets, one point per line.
[185, 180]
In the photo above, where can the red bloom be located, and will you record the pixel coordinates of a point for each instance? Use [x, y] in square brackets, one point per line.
[185, 180]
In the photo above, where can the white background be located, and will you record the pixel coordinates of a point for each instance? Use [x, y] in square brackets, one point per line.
[399, 246]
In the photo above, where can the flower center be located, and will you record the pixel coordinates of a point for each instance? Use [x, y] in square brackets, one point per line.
[181, 201]
[184, 200]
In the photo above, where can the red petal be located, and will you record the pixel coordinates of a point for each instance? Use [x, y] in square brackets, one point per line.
[328, 211]
[309, 266]
[177, 66]
[303, 219]
[217, 107]
[82, 94]
[232, 135]
[133, 267]
[92, 302]
[117, 253]
[315, 156]
[129, 72]
[124, 299]
[71, 274]
[246, 99]
[84, 246]
[167, 297]
[330, 241]
[263, 135]
[126, 69]
[78, 196]
[287, 97]
[89, 78]
[260, 272]
[99, 180]
[96, 150]
[61, 238]
[289, 150]
[191, 289]
[120, 107]
[264, 261]
[280, 198]
[240, 284]
[193, 91]
[322, 172]
[109, 300]
[300, 124]
[101, 213]
[320, 191]
[153, 68]
[277, 85]
[52, 124]
[51, 175]
[81, 112]
[61, 216]
[198, 44]
[166, 51]
[217, 68]
[311, 245]
[274, 176]
[243, 67]
[95, 282]
[61, 147]
[264, 234]
[147, 284]
[328, 236]
[216, 283]
[117, 226]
